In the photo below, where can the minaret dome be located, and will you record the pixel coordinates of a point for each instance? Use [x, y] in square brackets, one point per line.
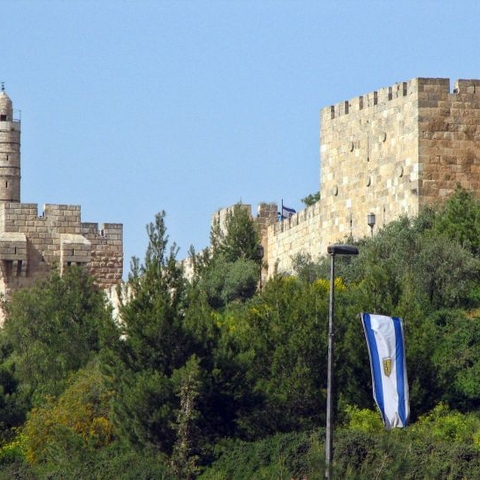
[6, 108]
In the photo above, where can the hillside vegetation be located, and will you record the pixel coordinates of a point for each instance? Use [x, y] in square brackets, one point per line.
[213, 378]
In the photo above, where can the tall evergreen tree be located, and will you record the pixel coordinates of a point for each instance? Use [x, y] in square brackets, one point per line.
[239, 238]
[149, 345]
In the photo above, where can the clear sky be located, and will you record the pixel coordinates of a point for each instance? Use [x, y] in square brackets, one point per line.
[133, 107]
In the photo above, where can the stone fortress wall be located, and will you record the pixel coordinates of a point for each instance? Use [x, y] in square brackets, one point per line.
[389, 152]
[31, 245]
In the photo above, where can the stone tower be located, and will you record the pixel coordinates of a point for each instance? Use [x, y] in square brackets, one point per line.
[9, 151]
[390, 152]
[32, 244]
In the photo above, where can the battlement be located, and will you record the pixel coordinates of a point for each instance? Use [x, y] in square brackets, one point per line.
[30, 244]
[380, 98]
[59, 212]
[110, 230]
[295, 219]
[467, 86]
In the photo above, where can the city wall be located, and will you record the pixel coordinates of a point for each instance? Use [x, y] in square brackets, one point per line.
[31, 244]
[389, 152]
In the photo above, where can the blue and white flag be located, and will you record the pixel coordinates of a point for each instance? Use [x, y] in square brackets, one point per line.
[386, 349]
[287, 212]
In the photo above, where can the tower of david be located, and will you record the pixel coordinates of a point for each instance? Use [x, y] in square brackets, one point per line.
[32, 242]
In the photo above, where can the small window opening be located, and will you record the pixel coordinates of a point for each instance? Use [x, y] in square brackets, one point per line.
[19, 268]
[3, 118]
[7, 267]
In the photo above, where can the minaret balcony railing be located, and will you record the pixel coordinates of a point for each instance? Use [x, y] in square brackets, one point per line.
[10, 125]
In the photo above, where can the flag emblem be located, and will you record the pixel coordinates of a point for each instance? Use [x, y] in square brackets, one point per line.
[387, 366]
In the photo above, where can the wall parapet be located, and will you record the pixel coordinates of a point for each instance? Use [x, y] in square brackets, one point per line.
[296, 219]
[381, 97]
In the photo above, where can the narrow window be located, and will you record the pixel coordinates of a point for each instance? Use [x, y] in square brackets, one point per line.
[7, 267]
[3, 118]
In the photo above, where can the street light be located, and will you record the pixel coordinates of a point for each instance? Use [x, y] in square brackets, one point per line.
[332, 251]
[371, 221]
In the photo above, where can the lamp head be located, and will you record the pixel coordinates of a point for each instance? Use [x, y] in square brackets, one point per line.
[371, 219]
[342, 250]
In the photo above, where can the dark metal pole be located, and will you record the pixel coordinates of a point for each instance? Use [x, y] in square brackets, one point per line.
[329, 426]
[332, 250]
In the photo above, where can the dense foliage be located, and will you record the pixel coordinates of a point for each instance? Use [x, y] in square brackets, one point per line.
[212, 377]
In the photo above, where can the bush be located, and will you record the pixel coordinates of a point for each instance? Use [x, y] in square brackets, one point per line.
[282, 456]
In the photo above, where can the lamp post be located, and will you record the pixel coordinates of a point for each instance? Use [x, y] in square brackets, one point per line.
[371, 221]
[332, 251]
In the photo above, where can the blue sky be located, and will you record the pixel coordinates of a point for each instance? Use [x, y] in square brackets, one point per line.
[133, 107]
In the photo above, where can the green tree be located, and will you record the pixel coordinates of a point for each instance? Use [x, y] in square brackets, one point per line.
[230, 270]
[238, 238]
[456, 358]
[161, 359]
[52, 330]
[459, 220]
[280, 338]
[311, 199]
[225, 281]
[13, 405]
[149, 344]
[407, 257]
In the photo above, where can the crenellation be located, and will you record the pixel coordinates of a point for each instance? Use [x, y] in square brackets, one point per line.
[467, 86]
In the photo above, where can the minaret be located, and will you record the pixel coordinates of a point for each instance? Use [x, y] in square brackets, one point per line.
[9, 151]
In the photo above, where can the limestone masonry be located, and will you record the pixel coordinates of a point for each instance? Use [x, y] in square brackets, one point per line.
[389, 152]
[32, 243]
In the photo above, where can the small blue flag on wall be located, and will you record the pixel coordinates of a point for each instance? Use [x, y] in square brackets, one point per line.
[386, 349]
[287, 212]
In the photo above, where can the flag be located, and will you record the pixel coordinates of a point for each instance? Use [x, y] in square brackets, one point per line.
[287, 212]
[389, 373]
